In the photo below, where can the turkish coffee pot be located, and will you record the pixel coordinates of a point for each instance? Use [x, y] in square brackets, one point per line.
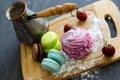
[30, 26]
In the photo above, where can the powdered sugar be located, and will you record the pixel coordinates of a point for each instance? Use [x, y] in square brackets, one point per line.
[95, 31]
[90, 75]
[74, 66]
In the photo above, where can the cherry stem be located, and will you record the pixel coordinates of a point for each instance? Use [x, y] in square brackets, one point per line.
[76, 12]
[106, 44]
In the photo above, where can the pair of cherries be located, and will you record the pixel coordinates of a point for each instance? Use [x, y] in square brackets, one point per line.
[81, 16]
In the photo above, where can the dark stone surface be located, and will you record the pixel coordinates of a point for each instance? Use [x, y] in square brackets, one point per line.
[10, 63]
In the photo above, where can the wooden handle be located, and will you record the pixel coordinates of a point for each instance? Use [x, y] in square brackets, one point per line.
[57, 10]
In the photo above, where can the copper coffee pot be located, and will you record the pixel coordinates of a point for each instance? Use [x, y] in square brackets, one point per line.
[30, 26]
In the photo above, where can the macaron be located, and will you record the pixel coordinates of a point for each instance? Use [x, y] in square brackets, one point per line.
[57, 56]
[57, 51]
[57, 46]
[50, 65]
[49, 39]
[37, 52]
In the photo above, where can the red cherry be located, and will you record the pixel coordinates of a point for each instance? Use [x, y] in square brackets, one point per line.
[81, 15]
[67, 27]
[108, 49]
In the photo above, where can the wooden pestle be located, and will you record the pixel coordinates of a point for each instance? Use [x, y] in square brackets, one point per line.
[57, 10]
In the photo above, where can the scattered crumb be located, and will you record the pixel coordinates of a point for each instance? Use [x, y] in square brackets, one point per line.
[92, 75]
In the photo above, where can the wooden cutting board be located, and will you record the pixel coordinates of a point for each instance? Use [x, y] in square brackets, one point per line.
[33, 71]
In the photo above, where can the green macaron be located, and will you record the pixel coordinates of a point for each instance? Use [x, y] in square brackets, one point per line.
[50, 65]
[57, 56]
[58, 52]
[49, 39]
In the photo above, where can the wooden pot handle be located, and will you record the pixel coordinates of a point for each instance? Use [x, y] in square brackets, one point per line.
[57, 10]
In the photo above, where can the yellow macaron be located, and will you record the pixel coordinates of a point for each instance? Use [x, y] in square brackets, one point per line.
[57, 46]
[49, 39]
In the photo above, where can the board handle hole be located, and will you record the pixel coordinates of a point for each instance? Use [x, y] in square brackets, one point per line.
[111, 25]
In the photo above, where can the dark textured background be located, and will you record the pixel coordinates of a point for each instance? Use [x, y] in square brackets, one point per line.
[10, 67]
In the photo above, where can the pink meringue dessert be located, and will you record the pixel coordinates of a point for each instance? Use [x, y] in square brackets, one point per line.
[76, 42]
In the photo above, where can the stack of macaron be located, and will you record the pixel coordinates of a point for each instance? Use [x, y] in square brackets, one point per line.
[37, 52]
[50, 40]
[55, 59]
